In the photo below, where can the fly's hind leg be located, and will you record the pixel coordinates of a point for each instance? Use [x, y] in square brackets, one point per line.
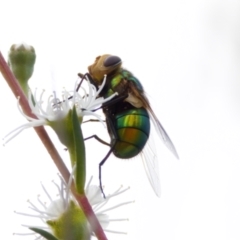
[98, 139]
[112, 146]
[105, 158]
[93, 120]
[100, 167]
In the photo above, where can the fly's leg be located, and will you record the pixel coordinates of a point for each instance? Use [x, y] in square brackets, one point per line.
[112, 102]
[92, 120]
[113, 144]
[104, 160]
[87, 76]
[98, 139]
[100, 167]
[82, 76]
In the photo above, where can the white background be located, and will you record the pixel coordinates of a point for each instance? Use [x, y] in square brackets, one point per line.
[187, 56]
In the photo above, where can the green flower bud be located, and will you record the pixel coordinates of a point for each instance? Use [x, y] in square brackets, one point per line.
[21, 59]
[71, 225]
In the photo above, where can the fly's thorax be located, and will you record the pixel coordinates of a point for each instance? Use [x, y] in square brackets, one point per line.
[130, 77]
[124, 83]
[115, 83]
[119, 85]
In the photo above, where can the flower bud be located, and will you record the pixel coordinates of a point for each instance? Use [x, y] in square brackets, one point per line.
[71, 225]
[21, 59]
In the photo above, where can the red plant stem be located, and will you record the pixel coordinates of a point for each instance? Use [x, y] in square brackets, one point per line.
[41, 132]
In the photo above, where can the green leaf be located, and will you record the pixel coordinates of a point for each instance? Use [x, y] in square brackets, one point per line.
[79, 153]
[44, 233]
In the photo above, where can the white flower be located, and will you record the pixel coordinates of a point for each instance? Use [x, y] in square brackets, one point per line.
[57, 109]
[57, 207]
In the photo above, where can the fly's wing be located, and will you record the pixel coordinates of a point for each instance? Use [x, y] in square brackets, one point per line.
[150, 162]
[140, 96]
[162, 133]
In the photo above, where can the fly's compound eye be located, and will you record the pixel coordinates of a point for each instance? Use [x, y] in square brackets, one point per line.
[112, 61]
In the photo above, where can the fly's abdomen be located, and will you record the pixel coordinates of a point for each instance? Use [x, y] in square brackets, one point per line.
[133, 128]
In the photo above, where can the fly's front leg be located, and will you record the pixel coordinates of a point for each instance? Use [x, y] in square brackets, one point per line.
[89, 77]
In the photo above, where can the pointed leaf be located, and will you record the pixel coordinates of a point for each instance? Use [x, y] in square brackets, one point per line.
[79, 152]
[44, 233]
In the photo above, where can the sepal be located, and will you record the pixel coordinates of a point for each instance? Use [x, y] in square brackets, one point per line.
[43, 233]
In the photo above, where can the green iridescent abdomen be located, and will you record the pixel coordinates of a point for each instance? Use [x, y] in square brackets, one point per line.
[133, 128]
